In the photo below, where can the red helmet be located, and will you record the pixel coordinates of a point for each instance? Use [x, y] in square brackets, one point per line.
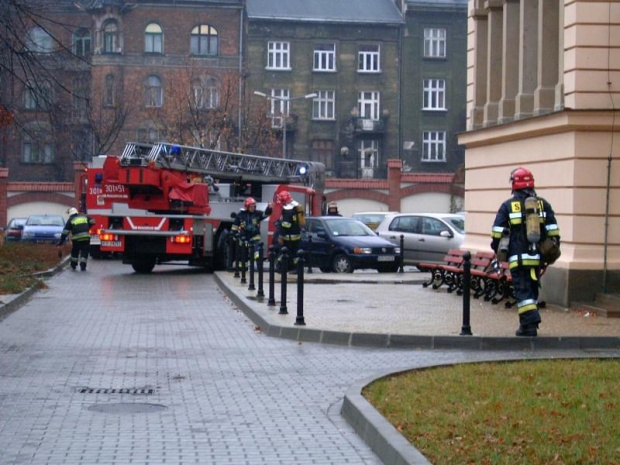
[521, 178]
[249, 202]
[284, 197]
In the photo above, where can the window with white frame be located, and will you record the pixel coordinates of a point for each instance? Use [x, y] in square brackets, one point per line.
[39, 40]
[368, 59]
[205, 96]
[435, 43]
[434, 94]
[109, 91]
[279, 106]
[154, 92]
[81, 42]
[110, 37]
[369, 105]
[37, 149]
[368, 153]
[434, 146]
[204, 41]
[325, 57]
[324, 105]
[278, 55]
[153, 39]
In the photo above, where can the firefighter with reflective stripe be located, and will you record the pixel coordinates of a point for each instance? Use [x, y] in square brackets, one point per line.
[524, 220]
[247, 223]
[292, 223]
[78, 225]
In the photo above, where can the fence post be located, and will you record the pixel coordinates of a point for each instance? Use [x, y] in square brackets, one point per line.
[271, 301]
[466, 328]
[283, 278]
[251, 286]
[260, 292]
[237, 256]
[244, 261]
[401, 269]
[300, 289]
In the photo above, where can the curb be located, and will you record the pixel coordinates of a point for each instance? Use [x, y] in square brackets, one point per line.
[20, 299]
[403, 341]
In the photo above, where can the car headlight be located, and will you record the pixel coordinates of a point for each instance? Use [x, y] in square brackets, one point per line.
[362, 250]
[57, 235]
[397, 250]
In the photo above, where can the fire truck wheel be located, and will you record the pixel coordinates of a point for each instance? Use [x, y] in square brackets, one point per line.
[143, 267]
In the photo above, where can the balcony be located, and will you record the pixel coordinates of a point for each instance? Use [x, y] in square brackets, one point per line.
[369, 126]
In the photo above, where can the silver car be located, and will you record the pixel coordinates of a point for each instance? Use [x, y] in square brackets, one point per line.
[427, 236]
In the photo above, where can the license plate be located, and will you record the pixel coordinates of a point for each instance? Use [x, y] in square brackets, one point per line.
[110, 243]
[386, 258]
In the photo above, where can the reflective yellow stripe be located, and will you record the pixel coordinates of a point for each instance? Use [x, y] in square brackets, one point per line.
[528, 308]
[496, 235]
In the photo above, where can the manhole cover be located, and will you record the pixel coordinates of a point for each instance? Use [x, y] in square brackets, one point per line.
[124, 408]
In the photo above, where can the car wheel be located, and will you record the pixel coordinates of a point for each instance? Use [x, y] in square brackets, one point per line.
[325, 269]
[342, 264]
[143, 267]
[392, 268]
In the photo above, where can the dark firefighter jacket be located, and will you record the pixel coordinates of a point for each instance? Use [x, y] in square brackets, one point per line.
[292, 222]
[78, 226]
[511, 215]
[248, 224]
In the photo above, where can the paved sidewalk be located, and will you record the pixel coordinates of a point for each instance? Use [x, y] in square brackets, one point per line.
[376, 309]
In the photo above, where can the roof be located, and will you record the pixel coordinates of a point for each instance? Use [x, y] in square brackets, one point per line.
[437, 5]
[338, 11]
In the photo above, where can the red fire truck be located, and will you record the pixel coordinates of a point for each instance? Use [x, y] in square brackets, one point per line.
[166, 203]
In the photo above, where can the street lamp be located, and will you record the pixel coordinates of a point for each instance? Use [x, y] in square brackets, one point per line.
[286, 99]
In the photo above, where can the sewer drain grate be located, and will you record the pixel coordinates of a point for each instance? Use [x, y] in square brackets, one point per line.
[127, 408]
[145, 392]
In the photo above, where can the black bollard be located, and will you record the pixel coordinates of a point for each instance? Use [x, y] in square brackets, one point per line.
[466, 328]
[300, 289]
[260, 292]
[244, 264]
[283, 278]
[309, 254]
[251, 286]
[401, 269]
[271, 301]
[237, 257]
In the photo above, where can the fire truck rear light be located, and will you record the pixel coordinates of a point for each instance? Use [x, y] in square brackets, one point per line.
[182, 239]
[108, 237]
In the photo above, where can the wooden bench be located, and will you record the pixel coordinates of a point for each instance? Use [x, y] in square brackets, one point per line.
[446, 272]
[481, 265]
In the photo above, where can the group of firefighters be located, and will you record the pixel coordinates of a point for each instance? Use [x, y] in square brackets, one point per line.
[525, 234]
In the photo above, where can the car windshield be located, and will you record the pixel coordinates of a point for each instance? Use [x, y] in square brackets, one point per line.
[45, 221]
[457, 223]
[348, 227]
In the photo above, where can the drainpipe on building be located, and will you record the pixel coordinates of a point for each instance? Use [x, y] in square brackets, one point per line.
[607, 200]
[240, 90]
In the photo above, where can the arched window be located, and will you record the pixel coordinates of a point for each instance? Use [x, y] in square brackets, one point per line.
[110, 37]
[109, 91]
[81, 42]
[153, 39]
[39, 41]
[204, 40]
[154, 92]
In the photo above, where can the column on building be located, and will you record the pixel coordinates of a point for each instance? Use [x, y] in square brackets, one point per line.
[494, 61]
[528, 58]
[559, 87]
[480, 68]
[510, 70]
[547, 76]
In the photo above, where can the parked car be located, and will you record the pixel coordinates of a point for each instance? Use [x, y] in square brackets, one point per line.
[372, 219]
[427, 236]
[13, 231]
[43, 228]
[343, 245]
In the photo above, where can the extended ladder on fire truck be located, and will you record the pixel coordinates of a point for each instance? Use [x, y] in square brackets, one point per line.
[224, 165]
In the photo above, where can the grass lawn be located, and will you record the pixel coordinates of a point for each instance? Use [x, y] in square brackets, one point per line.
[18, 261]
[526, 412]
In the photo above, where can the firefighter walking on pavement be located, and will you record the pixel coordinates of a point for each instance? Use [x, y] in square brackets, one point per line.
[526, 235]
[247, 223]
[78, 226]
[291, 224]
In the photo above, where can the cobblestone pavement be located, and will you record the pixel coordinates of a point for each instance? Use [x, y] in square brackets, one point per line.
[203, 385]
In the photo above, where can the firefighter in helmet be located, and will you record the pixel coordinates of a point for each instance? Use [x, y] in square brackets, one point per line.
[522, 224]
[292, 223]
[78, 225]
[247, 223]
[332, 209]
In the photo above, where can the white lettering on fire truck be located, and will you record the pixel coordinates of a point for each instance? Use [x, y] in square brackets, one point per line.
[146, 227]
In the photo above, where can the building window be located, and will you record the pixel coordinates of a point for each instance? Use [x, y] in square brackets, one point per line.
[37, 96]
[368, 157]
[434, 146]
[204, 41]
[39, 41]
[435, 43]
[369, 105]
[368, 59]
[80, 93]
[154, 92]
[151, 135]
[434, 94]
[323, 152]
[110, 37]
[109, 91]
[205, 96]
[37, 150]
[153, 39]
[279, 106]
[81, 42]
[278, 55]
[324, 105]
[325, 57]
[81, 145]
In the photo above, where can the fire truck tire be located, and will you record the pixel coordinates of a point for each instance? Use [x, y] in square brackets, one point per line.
[143, 267]
[222, 251]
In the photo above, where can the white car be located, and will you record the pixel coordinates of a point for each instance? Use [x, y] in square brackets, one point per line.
[427, 236]
[372, 219]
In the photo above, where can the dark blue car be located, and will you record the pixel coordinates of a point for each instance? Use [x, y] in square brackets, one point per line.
[343, 245]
